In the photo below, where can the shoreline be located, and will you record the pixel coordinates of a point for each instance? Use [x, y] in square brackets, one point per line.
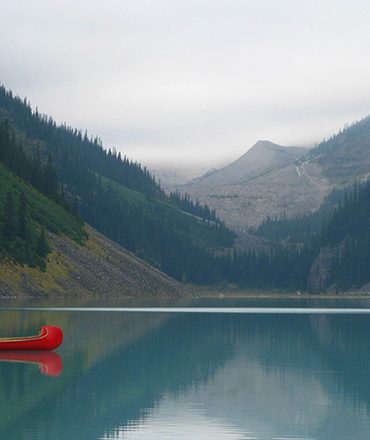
[187, 293]
[199, 293]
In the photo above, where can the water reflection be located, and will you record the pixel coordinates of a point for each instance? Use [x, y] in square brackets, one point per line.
[165, 376]
[50, 363]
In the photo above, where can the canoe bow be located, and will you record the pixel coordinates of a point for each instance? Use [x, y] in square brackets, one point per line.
[49, 338]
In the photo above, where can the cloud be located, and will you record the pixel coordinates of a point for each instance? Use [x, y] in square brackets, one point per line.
[188, 81]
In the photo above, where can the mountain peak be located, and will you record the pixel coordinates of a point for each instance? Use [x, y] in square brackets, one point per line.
[274, 151]
[264, 144]
[262, 158]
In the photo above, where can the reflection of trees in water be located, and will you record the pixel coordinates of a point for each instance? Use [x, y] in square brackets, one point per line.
[184, 352]
[118, 366]
[118, 388]
[309, 343]
[283, 380]
[344, 345]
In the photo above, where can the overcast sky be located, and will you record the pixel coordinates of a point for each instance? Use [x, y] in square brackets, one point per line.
[191, 81]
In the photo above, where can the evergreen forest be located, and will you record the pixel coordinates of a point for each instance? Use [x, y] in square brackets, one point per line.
[53, 178]
[112, 193]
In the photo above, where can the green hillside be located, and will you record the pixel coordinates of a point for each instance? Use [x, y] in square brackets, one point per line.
[73, 259]
[119, 197]
[43, 211]
[40, 214]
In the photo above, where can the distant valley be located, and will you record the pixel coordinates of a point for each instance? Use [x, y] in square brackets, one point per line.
[171, 177]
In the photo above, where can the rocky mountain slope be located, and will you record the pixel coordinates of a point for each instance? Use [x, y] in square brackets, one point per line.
[270, 180]
[75, 259]
[267, 180]
[262, 158]
[99, 267]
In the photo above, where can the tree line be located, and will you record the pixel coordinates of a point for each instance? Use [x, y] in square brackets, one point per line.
[196, 208]
[30, 166]
[344, 233]
[65, 143]
[347, 234]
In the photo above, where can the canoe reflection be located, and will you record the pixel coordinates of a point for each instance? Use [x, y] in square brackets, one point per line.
[50, 363]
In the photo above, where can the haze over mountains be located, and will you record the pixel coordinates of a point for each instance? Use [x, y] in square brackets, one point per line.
[53, 179]
[170, 177]
[270, 180]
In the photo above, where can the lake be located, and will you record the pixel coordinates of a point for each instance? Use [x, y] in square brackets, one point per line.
[253, 372]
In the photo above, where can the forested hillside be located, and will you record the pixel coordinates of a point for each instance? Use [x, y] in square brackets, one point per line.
[25, 213]
[117, 196]
[306, 256]
[45, 249]
[347, 236]
[300, 228]
[346, 155]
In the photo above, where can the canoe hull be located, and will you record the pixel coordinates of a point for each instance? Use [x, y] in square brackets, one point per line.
[49, 338]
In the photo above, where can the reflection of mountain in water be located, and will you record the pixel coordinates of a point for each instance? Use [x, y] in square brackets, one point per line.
[287, 381]
[302, 376]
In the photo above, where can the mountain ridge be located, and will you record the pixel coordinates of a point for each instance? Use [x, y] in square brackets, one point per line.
[118, 197]
[269, 180]
[270, 168]
[255, 161]
[78, 260]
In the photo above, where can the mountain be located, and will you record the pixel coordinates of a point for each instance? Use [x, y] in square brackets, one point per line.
[100, 268]
[53, 179]
[262, 158]
[113, 194]
[270, 181]
[346, 155]
[75, 259]
[332, 257]
[265, 181]
[343, 260]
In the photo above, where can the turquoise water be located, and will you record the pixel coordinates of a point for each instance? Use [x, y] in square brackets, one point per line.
[253, 370]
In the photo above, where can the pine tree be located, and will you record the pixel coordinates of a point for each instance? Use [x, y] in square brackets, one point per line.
[9, 226]
[22, 227]
[50, 183]
[42, 246]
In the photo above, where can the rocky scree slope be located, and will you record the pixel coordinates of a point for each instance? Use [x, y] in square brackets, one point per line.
[100, 267]
[270, 180]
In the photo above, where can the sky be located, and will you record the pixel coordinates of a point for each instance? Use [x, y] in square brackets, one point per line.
[186, 83]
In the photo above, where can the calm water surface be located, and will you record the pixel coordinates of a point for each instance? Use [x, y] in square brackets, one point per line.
[169, 375]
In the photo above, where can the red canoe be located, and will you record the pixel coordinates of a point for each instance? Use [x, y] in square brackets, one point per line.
[49, 338]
